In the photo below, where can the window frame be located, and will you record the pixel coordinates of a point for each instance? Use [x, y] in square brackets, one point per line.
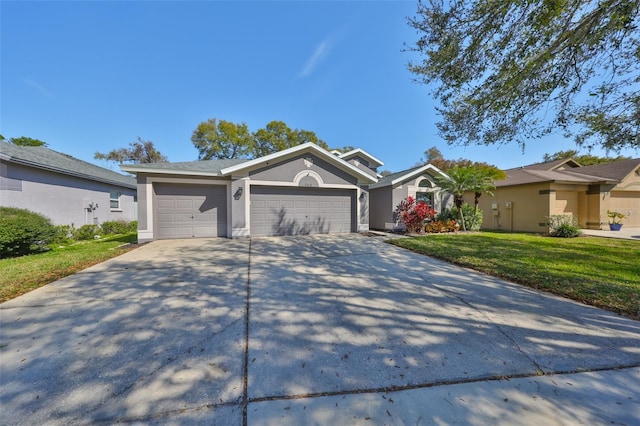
[116, 199]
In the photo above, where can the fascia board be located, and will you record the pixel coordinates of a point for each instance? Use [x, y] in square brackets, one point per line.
[418, 172]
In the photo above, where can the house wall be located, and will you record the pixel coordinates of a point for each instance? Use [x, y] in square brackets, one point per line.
[530, 208]
[288, 170]
[625, 202]
[380, 211]
[625, 198]
[62, 198]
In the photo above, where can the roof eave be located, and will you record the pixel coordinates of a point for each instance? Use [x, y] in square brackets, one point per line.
[364, 154]
[418, 172]
[134, 169]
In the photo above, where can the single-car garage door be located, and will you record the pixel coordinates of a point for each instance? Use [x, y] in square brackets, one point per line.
[188, 211]
[294, 211]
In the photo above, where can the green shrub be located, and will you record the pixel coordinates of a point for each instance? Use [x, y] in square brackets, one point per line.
[23, 232]
[472, 219]
[86, 232]
[62, 235]
[118, 227]
[563, 226]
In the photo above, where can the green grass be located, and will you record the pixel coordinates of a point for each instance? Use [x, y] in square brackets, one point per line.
[20, 275]
[603, 272]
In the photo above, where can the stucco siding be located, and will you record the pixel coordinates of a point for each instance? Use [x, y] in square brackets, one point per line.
[288, 170]
[380, 211]
[528, 211]
[62, 198]
[627, 203]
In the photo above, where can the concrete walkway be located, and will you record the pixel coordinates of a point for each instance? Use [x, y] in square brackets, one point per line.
[308, 330]
[625, 233]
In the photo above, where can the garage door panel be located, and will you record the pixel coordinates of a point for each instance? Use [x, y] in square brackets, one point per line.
[298, 211]
[187, 211]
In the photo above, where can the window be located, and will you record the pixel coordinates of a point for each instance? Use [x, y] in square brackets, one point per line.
[425, 197]
[114, 200]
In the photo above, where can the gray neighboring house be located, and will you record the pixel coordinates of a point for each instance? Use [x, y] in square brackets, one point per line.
[418, 182]
[65, 189]
[298, 191]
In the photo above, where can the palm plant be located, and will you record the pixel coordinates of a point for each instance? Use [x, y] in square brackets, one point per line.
[478, 179]
[459, 181]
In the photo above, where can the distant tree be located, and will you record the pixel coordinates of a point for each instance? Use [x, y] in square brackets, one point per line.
[582, 159]
[139, 152]
[2, 139]
[508, 71]
[220, 139]
[223, 139]
[25, 141]
[385, 172]
[277, 136]
[344, 149]
[434, 157]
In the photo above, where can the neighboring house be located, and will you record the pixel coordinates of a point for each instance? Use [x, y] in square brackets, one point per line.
[301, 190]
[530, 194]
[418, 182]
[66, 190]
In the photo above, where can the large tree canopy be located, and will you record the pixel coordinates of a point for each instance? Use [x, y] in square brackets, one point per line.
[220, 139]
[139, 152]
[510, 70]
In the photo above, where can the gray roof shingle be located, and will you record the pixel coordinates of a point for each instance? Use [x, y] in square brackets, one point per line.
[48, 159]
[207, 166]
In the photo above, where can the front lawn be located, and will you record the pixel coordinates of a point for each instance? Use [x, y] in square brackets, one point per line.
[603, 272]
[22, 274]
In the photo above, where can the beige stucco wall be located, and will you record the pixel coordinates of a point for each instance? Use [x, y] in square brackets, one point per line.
[528, 212]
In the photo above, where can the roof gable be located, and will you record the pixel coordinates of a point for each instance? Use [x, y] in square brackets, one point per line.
[362, 153]
[295, 151]
[47, 159]
[399, 177]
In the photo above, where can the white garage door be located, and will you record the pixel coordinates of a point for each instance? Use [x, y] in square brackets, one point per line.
[190, 211]
[301, 211]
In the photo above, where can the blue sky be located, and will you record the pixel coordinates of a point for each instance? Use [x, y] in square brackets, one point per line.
[89, 76]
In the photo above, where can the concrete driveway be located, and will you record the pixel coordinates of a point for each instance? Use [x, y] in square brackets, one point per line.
[308, 330]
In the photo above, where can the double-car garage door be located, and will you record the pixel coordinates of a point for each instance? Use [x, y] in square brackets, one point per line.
[188, 211]
[301, 211]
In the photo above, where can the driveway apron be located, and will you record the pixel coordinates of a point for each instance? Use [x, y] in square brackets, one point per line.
[308, 330]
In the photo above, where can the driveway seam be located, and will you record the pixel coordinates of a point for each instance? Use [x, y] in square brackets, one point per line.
[509, 338]
[245, 366]
[390, 389]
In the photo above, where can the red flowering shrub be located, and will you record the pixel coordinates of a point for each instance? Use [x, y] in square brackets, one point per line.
[414, 214]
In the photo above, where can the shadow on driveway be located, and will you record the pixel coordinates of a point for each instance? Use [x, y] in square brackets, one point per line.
[338, 326]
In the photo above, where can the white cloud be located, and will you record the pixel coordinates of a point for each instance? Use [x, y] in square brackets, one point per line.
[39, 87]
[316, 57]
